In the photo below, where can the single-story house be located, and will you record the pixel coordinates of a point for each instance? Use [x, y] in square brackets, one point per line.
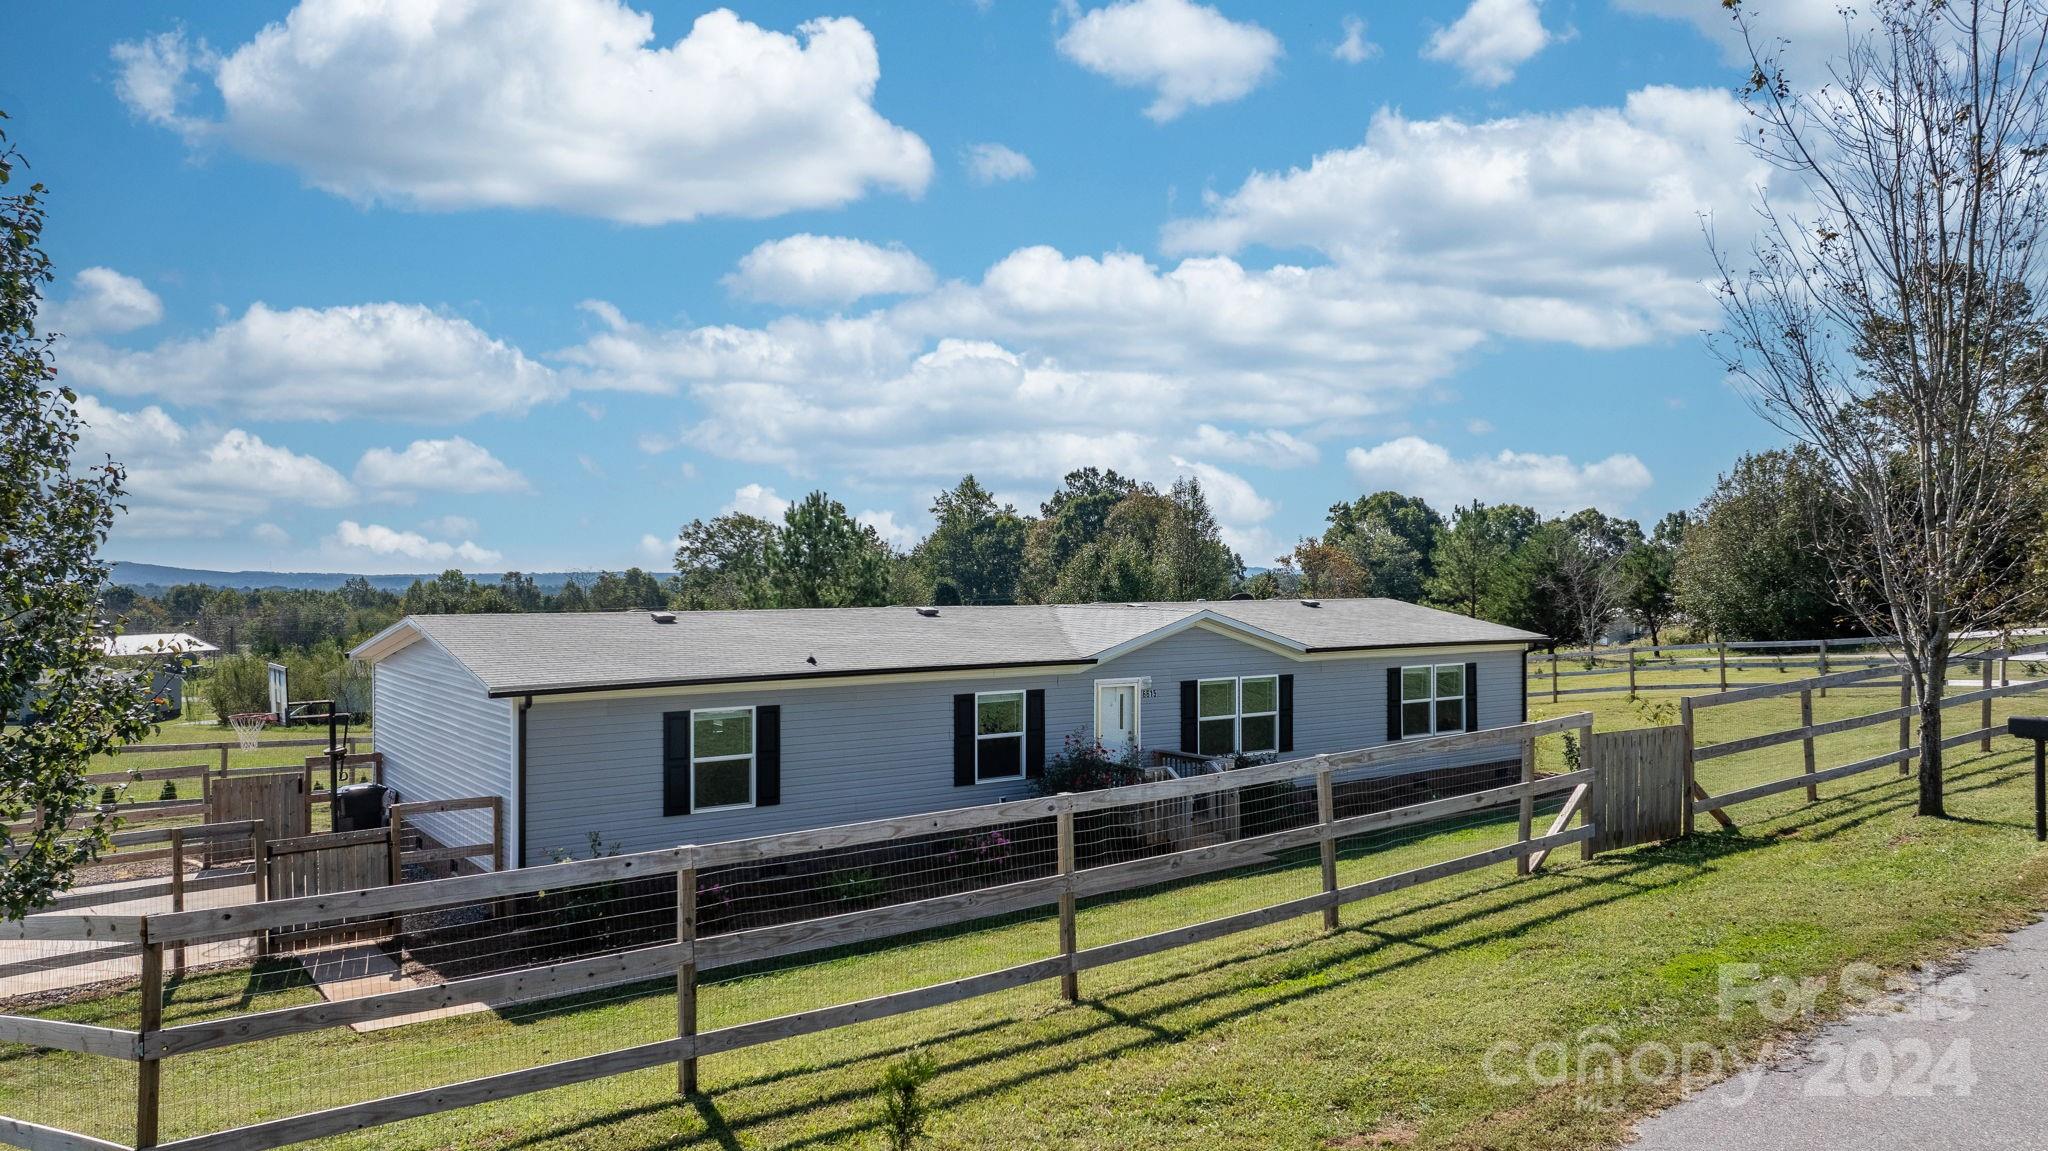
[171, 655]
[651, 729]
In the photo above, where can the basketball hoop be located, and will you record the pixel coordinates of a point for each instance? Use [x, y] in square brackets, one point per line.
[249, 727]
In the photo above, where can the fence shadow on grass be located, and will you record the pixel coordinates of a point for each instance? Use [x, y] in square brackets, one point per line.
[1818, 823]
[1603, 884]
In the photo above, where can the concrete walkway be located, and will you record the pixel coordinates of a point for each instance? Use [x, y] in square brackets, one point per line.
[1962, 1065]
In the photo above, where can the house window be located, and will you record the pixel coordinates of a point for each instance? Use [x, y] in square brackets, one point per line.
[1432, 699]
[1258, 720]
[722, 758]
[998, 736]
[1238, 715]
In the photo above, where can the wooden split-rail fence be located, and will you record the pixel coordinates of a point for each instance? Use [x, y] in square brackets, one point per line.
[1990, 665]
[1640, 668]
[1613, 761]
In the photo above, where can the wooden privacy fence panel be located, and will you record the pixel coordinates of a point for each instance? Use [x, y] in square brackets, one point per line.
[278, 799]
[1638, 790]
[326, 864]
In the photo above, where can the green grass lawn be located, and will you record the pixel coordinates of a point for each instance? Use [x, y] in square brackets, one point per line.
[1284, 1037]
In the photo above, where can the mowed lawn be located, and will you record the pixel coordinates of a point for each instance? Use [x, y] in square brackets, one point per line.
[1286, 1037]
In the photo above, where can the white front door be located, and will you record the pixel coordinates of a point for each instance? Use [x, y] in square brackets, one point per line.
[1116, 716]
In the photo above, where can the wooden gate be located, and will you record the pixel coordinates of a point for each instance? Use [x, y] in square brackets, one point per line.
[1638, 785]
[276, 798]
[324, 865]
[279, 799]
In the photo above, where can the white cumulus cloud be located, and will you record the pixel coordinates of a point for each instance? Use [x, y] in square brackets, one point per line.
[1491, 40]
[895, 533]
[1271, 447]
[1189, 54]
[194, 483]
[570, 105]
[450, 465]
[808, 269]
[1581, 225]
[376, 542]
[369, 361]
[1354, 48]
[1552, 484]
[993, 163]
[103, 300]
[757, 500]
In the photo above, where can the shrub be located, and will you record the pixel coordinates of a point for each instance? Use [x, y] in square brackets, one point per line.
[108, 796]
[169, 791]
[1085, 765]
[904, 1114]
[854, 886]
[237, 685]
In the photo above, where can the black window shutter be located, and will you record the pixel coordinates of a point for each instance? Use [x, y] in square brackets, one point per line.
[1471, 697]
[963, 739]
[1286, 713]
[675, 763]
[1393, 703]
[767, 756]
[1188, 693]
[1034, 733]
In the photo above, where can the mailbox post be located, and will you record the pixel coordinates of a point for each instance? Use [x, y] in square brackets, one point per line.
[2035, 727]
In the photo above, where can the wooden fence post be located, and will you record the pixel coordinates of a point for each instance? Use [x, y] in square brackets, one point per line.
[223, 761]
[497, 833]
[1326, 814]
[178, 888]
[686, 971]
[1528, 813]
[1806, 721]
[1586, 758]
[394, 834]
[1723, 646]
[1631, 672]
[1691, 780]
[1985, 743]
[148, 1069]
[1553, 675]
[1823, 666]
[1070, 978]
[1905, 721]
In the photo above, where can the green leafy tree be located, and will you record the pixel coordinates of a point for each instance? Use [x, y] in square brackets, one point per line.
[1076, 516]
[572, 597]
[976, 547]
[520, 591]
[54, 517]
[1409, 519]
[1473, 568]
[1189, 552]
[824, 558]
[1649, 577]
[723, 562]
[1750, 566]
[628, 590]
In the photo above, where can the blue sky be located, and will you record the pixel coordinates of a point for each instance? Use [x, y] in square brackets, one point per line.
[404, 286]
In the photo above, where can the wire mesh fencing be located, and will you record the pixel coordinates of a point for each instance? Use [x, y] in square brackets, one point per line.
[306, 1016]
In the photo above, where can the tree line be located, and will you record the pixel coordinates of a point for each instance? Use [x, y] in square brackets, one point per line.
[1742, 565]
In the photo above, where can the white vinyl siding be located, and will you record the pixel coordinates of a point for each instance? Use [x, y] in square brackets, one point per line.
[859, 751]
[442, 738]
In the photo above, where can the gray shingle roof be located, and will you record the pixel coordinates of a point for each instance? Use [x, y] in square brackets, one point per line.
[544, 653]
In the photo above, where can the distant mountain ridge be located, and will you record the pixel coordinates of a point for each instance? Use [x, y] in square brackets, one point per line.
[140, 575]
